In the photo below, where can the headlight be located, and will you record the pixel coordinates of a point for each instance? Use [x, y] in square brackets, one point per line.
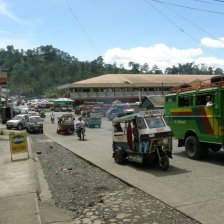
[160, 142]
[165, 141]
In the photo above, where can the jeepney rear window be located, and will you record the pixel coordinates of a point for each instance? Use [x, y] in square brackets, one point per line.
[155, 122]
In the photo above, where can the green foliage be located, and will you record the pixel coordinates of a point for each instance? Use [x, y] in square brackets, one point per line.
[40, 71]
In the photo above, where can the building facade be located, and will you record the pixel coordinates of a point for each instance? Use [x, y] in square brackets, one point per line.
[127, 87]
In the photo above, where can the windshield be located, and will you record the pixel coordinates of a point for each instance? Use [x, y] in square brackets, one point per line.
[35, 119]
[155, 122]
[18, 117]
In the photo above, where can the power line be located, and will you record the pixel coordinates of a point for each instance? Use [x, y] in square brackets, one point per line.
[175, 24]
[208, 2]
[187, 7]
[81, 26]
[191, 22]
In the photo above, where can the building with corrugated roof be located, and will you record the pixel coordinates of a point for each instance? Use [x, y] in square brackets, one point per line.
[127, 87]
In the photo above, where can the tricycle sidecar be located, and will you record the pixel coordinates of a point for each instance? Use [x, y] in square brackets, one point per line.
[66, 124]
[142, 137]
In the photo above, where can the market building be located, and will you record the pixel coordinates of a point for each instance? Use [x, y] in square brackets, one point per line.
[127, 87]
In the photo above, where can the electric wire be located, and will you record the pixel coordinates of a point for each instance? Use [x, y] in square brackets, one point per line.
[195, 25]
[177, 26]
[188, 7]
[81, 26]
[207, 2]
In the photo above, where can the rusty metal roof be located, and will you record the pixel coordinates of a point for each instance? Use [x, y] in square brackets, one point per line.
[137, 80]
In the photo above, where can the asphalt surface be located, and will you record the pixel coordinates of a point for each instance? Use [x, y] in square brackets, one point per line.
[193, 187]
[94, 196]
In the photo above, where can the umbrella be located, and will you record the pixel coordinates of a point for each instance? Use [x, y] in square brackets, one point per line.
[63, 100]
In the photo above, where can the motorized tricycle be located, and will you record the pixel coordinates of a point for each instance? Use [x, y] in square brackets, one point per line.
[92, 119]
[142, 137]
[66, 124]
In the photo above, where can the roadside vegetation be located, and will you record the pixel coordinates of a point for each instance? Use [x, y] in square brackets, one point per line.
[40, 71]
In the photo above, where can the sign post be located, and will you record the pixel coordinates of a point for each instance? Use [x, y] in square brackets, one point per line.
[18, 143]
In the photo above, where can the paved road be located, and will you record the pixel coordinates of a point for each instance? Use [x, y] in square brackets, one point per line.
[193, 187]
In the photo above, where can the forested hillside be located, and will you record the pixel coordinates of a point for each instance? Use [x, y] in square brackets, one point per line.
[40, 71]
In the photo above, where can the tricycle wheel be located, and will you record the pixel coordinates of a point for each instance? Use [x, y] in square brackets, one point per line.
[164, 162]
[70, 132]
[83, 135]
[118, 156]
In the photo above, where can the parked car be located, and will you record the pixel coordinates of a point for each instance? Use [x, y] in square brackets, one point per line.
[18, 122]
[34, 124]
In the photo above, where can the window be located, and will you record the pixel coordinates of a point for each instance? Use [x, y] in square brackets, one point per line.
[141, 123]
[155, 122]
[171, 99]
[201, 99]
[185, 101]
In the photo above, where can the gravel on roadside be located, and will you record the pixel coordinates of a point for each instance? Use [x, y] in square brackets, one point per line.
[93, 195]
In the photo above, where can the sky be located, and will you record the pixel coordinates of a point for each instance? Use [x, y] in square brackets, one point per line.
[163, 33]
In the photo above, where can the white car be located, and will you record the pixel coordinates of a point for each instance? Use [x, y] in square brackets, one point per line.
[18, 122]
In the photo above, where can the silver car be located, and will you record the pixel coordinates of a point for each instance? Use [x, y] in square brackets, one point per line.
[18, 122]
[34, 124]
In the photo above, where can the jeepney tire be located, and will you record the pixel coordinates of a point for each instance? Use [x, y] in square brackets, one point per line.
[193, 148]
[164, 162]
[118, 156]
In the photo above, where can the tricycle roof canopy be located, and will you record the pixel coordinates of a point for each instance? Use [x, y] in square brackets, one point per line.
[63, 100]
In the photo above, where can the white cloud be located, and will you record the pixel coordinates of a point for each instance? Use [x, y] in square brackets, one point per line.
[18, 43]
[210, 61]
[212, 43]
[159, 54]
[4, 11]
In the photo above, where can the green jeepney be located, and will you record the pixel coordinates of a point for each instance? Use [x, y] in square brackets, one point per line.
[196, 117]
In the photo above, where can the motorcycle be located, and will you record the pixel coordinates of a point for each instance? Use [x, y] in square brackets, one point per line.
[81, 132]
[52, 119]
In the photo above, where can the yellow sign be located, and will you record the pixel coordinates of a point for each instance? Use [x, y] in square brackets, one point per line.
[18, 142]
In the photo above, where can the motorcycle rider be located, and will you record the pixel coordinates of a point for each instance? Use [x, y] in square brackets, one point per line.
[52, 118]
[78, 125]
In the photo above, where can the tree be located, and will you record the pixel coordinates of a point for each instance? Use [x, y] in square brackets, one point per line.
[135, 67]
[218, 71]
[145, 68]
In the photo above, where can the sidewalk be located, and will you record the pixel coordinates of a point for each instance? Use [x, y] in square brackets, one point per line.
[18, 198]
